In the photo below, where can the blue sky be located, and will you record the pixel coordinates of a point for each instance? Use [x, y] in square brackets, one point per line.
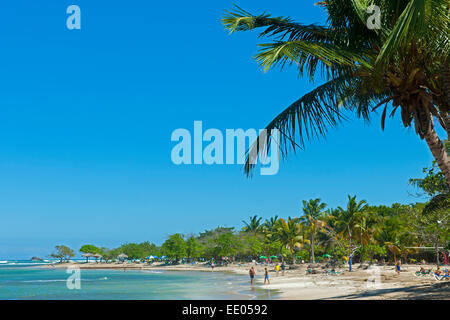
[86, 118]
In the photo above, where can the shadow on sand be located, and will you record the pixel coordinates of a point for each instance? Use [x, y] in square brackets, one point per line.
[438, 291]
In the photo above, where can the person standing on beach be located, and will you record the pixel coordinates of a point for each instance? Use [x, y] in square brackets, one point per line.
[277, 268]
[252, 273]
[397, 266]
[350, 263]
[283, 267]
[266, 276]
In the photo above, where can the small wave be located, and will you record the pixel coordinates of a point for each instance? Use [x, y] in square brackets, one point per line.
[3, 261]
[25, 263]
[47, 280]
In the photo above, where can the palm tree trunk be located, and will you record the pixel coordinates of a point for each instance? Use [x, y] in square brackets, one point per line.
[446, 77]
[362, 250]
[447, 125]
[312, 248]
[439, 153]
[436, 248]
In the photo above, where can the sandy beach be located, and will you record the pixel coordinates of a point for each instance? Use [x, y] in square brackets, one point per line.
[374, 283]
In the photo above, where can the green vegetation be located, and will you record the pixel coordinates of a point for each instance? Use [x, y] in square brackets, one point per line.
[365, 231]
[368, 232]
[62, 253]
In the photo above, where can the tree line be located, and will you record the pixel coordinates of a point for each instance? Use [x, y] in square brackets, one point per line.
[360, 230]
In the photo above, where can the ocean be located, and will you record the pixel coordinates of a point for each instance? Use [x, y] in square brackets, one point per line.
[28, 280]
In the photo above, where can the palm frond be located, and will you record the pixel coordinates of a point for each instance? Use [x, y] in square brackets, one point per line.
[278, 27]
[312, 116]
[309, 54]
[422, 21]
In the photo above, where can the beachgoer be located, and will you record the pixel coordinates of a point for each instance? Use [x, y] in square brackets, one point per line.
[350, 263]
[283, 267]
[266, 276]
[212, 266]
[438, 271]
[397, 266]
[252, 273]
[277, 268]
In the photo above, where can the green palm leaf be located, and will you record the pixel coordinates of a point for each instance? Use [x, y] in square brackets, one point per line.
[422, 21]
[280, 27]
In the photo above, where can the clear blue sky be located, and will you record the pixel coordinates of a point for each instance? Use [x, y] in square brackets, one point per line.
[86, 118]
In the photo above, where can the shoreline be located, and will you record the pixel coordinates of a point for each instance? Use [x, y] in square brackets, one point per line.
[381, 283]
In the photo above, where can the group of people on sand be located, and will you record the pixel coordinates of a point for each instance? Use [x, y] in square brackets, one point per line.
[440, 273]
[252, 273]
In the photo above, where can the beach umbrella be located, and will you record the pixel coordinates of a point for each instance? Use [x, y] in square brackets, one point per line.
[151, 257]
[327, 255]
[273, 257]
[97, 255]
[122, 256]
[88, 255]
[263, 257]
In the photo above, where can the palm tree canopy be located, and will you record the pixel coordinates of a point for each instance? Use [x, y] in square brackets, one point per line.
[253, 225]
[399, 65]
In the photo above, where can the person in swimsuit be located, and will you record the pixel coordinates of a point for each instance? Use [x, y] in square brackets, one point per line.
[266, 276]
[277, 269]
[283, 267]
[252, 274]
[397, 266]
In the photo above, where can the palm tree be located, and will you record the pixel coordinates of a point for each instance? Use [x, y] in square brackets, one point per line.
[270, 224]
[347, 218]
[403, 66]
[254, 225]
[313, 212]
[367, 223]
[288, 233]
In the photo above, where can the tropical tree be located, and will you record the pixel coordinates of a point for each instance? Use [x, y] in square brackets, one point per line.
[253, 225]
[108, 254]
[367, 222]
[313, 212]
[433, 183]
[347, 218]
[288, 233]
[433, 223]
[62, 253]
[402, 64]
[193, 248]
[89, 248]
[270, 223]
[225, 245]
[175, 246]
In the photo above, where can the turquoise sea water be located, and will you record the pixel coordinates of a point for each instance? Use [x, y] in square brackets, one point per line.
[26, 280]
